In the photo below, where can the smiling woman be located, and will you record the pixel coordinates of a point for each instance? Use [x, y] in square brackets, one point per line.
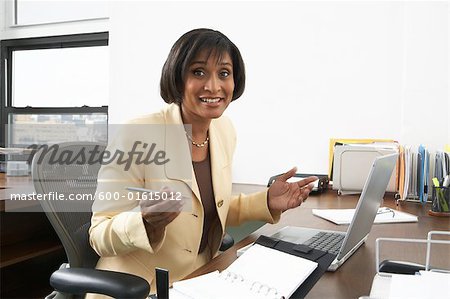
[202, 75]
[208, 88]
[185, 52]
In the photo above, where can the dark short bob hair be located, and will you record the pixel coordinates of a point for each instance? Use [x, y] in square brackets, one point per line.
[184, 51]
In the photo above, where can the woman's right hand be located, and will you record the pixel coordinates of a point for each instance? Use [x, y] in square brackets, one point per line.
[157, 214]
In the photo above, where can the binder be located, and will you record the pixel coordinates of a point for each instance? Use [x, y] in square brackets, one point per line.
[402, 170]
[322, 258]
[423, 173]
[286, 277]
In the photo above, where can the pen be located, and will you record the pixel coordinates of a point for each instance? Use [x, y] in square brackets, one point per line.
[440, 194]
[384, 210]
[436, 182]
[446, 181]
[437, 190]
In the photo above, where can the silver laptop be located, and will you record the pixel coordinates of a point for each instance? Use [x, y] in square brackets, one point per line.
[344, 244]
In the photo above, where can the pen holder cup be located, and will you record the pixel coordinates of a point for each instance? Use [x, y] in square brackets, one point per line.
[441, 201]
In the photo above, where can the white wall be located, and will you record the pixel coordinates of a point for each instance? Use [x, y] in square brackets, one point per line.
[425, 93]
[315, 70]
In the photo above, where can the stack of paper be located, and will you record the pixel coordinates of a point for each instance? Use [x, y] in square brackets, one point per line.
[426, 285]
[345, 216]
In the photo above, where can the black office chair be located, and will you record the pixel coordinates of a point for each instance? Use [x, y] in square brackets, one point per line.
[71, 221]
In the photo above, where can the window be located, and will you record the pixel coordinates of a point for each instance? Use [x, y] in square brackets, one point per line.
[28, 12]
[60, 81]
[64, 77]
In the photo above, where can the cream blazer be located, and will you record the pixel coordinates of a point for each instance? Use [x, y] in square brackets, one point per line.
[117, 231]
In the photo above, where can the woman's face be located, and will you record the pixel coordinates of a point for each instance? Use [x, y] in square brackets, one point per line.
[208, 88]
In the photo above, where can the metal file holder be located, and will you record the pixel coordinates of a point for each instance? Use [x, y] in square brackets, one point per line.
[428, 241]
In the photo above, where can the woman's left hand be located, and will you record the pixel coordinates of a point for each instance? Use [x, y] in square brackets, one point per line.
[282, 195]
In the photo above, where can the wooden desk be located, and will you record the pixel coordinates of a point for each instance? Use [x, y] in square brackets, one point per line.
[354, 277]
[30, 249]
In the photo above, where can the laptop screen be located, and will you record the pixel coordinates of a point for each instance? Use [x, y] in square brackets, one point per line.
[369, 202]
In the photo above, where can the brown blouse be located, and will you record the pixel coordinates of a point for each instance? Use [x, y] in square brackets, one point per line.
[202, 171]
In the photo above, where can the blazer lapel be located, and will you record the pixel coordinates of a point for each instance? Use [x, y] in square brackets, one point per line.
[177, 149]
[219, 160]
[180, 167]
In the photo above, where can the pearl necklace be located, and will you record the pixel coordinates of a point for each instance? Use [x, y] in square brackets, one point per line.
[198, 144]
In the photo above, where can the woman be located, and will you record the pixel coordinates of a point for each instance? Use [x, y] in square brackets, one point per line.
[202, 75]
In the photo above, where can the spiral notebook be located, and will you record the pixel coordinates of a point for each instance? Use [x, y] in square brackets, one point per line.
[261, 272]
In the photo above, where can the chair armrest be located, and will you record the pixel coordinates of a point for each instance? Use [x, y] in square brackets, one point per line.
[80, 281]
[227, 242]
[397, 267]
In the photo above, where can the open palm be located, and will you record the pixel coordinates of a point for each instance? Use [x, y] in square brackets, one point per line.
[283, 195]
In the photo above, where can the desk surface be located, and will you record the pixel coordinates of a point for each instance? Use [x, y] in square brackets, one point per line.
[354, 277]
[16, 185]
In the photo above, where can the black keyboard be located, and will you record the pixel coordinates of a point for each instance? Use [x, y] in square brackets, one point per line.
[330, 242]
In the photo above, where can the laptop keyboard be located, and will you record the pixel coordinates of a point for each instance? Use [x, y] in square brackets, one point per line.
[330, 242]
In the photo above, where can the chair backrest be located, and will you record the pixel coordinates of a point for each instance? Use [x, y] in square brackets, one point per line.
[67, 174]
